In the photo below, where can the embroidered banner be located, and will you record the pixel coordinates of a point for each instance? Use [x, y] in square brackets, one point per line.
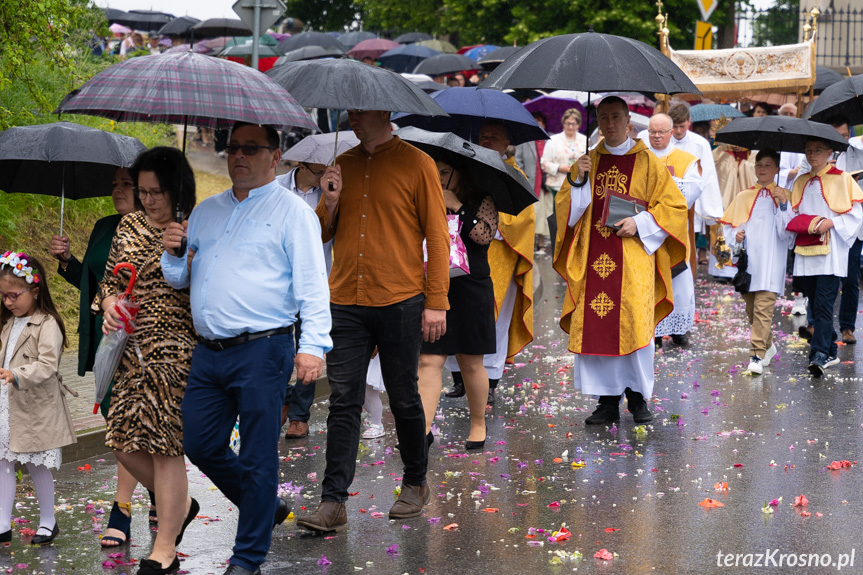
[736, 71]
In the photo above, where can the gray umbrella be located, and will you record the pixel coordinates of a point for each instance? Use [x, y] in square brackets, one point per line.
[486, 170]
[445, 64]
[351, 39]
[63, 159]
[178, 26]
[318, 148]
[310, 53]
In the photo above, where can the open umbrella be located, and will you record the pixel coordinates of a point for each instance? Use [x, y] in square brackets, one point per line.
[186, 88]
[495, 58]
[216, 27]
[708, 112]
[405, 58]
[779, 133]
[470, 108]
[243, 50]
[264, 40]
[373, 48]
[485, 168]
[439, 45]
[63, 159]
[309, 39]
[178, 26]
[310, 53]
[413, 37]
[826, 77]
[445, 64]
[477, 52]
[553, 107]
[318, 148]
[843, 98]
[147, 20]
[118, 29]
[351, 39]
[114, 15]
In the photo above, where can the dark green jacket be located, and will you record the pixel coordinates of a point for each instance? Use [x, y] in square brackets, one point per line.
[86, 275]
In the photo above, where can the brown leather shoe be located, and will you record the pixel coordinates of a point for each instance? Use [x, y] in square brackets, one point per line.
[848, 336]
[330, 516]
[411, 501]
[297, 430]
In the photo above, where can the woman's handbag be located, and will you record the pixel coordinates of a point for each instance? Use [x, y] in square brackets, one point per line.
[742, 279]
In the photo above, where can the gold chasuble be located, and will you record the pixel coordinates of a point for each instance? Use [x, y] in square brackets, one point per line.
[616, 293]
[839, 189]
[740, 210]
[513, 259]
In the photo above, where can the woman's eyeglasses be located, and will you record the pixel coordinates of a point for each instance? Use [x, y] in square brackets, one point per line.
[12, 296]
[156, 193]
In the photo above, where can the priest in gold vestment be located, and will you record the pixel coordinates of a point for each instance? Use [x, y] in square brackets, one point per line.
[618, 283]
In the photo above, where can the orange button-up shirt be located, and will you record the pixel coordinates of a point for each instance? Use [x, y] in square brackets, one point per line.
[390, 202]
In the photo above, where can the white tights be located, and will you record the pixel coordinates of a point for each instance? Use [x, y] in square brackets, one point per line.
[43, 481]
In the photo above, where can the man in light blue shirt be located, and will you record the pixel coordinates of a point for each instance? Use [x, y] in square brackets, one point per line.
[252, 266]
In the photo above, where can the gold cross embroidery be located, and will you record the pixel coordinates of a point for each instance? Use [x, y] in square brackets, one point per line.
[604, 266]
[602, 304]
[603, 231]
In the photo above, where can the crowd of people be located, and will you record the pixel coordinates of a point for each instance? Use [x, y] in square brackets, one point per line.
[347, 266]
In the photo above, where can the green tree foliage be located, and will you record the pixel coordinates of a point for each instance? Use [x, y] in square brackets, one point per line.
[776, 25]
[324, 15]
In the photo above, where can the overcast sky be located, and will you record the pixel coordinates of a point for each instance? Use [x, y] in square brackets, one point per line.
[201, 9]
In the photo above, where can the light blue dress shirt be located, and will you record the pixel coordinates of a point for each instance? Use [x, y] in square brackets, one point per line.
[254, 267]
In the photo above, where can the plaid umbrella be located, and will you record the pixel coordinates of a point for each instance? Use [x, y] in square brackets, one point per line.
[186, 88]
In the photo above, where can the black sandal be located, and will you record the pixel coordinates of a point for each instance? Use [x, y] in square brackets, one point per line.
[193, 511]
[153, 515]
[121, 522]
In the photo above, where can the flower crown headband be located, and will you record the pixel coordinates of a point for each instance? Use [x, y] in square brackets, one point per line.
[18, 262]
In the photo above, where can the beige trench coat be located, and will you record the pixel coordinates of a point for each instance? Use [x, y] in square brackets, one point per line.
[39, 417]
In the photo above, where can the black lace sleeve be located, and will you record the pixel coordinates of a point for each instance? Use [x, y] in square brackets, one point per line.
[481, 223]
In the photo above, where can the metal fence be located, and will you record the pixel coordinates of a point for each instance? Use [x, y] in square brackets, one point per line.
[839, 41]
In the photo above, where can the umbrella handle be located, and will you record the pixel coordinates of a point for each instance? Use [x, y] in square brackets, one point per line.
[134, 277]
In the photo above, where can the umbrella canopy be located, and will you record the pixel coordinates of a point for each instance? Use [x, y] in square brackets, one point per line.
[470, 108]
[345, 84]
[310, 53]
[178, 26]
[147, 20]
[118, 29]
[264, 40]
[187, 87]
[373, 48]
[114, 16]
[496, 57]
[843, 98]
[477, 52]
[484, 168]
[779, 133]
[708, 112]
[825, 77]
[243, 50]
[591, 62]
[211, 45]
[439, 45]
[319, 148]
[553, 107]
[351, 39]
[63, 159]
[216, 27]
[413, 37]
[309, 39]
[406, 58]
[445, 64]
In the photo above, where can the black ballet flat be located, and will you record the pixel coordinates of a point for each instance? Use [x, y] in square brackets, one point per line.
[193, 511]
[6, 538]
[150, 567]
[46, 539]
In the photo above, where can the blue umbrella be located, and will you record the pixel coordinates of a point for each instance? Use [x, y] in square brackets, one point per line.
[405, 58]
[478, 52]
[707, 112]
[469, 109]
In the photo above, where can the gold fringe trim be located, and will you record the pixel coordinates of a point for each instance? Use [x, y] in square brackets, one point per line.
[812, 250]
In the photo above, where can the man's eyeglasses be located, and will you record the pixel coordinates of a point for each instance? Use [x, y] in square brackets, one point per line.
[12, 296]
[155, 194]
[810, 151]
[248, 149]
[317, 175]
[657, 132]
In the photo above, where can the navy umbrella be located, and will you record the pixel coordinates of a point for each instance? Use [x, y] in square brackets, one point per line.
[405, 58]
[484, 168]
[779, 133]
[470, 108]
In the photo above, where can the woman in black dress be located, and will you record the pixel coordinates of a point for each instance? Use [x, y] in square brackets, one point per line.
[470, 318]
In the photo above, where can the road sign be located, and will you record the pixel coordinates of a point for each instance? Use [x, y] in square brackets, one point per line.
[707, 7]
[271, 11]
[703, 36]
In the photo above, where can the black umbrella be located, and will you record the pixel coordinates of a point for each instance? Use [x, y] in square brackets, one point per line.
[178, 26]
[148, 20]
[405, 58]
[779, 133]
[218, 27]
[486, 170]
[115, 16]
[591, 62]
[825, 77]
[496, 57]
[843, 98]
[351, 39]
[413, 37]
[309, 39]
[63, 159]
[310, 53]
[445, 64]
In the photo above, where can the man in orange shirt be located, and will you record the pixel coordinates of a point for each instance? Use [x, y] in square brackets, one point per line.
[380, 297]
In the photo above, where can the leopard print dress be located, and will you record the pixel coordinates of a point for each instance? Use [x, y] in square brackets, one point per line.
[145, 412]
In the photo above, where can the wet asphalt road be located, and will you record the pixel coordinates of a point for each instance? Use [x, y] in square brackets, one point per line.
[633, 492]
